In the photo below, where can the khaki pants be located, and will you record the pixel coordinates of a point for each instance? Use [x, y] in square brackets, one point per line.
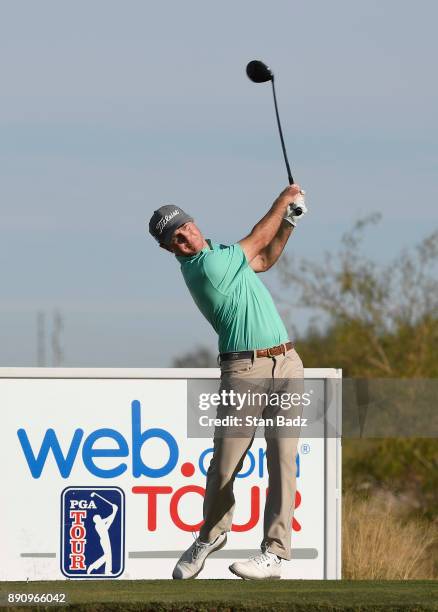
[280, 373]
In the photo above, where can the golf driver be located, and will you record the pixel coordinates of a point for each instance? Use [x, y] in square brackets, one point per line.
[97, 495]
[259, 72]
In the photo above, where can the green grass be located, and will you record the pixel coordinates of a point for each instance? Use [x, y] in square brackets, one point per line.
[234, 595]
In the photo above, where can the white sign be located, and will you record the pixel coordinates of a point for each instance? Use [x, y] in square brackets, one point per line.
[99, 479]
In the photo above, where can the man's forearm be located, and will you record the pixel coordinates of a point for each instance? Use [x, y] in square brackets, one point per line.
[264, 232]
[272, 252]
[269, 225]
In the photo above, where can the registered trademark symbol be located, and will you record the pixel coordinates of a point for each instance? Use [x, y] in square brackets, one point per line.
[305, 449]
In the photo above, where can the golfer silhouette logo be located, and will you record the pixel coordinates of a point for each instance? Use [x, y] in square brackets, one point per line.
[102, 526]
[92, 532]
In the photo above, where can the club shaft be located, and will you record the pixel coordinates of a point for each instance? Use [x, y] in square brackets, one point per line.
[105, 500]
[289, 173]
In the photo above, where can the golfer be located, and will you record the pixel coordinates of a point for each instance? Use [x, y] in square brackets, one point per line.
[102, 527]
[253, 346]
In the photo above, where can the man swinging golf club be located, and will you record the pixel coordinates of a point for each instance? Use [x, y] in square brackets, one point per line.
[102, 526]
[253, 344]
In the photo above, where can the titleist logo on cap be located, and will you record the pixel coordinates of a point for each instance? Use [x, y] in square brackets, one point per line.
[165, 220]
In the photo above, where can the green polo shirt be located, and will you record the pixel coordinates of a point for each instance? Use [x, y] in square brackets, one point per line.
[232, 298]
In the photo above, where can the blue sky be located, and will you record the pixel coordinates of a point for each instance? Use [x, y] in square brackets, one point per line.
[110, 109]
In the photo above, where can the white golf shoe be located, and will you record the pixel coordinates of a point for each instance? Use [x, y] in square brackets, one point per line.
[265, 566]
[192, 560]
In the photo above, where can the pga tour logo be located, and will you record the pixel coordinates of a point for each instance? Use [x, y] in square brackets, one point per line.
[92, 532]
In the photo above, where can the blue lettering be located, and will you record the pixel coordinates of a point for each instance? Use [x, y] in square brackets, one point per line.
[262, 457]
[139, 438]
[249, 471]
[202, 456]
[251, 466]
[50, 441]
[65, 463]
[88, 453]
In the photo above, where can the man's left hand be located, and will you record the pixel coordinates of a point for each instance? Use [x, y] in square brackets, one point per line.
[298, 205]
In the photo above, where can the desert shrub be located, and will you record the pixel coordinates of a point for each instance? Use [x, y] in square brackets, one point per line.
[378, 544]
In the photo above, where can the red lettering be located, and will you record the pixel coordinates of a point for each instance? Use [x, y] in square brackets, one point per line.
[77, 562]
[174, 507]
[295, 524]
[77, 532]
[152, 493]
[77, 540]
[77, 546]
[78, 515]
[255, 512]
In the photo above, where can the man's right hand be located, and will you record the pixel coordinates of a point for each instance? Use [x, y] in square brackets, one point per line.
[264, 231]
[288, 195]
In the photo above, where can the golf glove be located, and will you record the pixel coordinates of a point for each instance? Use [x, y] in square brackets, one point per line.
[292, 210]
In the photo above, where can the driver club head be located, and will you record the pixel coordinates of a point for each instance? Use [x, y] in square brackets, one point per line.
[259, 72]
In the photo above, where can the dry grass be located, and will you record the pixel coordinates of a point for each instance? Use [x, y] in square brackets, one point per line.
[379, 545]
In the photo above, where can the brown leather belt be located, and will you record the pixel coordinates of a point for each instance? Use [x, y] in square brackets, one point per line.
[281, 349]
[273, 351]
